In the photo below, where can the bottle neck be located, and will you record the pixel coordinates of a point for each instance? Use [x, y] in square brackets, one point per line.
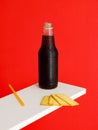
[48, 36]
[48, 41]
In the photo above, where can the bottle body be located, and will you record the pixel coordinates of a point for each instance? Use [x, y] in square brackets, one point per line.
[48, 63]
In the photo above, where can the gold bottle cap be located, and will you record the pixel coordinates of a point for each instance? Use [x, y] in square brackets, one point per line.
[48, 25]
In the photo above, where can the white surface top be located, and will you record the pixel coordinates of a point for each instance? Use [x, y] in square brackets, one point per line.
[14, 117]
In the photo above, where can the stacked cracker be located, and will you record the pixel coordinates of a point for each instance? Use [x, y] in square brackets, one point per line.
[58, 100]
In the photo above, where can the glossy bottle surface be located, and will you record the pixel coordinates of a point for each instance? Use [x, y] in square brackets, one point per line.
[48, 63]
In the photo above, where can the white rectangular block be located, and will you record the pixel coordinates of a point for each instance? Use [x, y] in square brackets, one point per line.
[14, 117]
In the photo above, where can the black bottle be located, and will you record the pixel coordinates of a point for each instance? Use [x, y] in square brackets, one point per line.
[48, 59]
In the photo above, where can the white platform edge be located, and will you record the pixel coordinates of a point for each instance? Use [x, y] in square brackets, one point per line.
[42, 114]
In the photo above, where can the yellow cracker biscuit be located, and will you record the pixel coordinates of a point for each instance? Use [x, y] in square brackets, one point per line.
[45, 101]
[53, 102]
[67, 99]
[60, 101]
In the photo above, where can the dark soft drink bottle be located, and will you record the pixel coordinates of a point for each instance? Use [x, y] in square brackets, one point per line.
[48, 59]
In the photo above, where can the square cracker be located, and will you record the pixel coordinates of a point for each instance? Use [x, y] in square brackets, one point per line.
[45, 101]
[60, 101]
[67, 99]
[53, 102]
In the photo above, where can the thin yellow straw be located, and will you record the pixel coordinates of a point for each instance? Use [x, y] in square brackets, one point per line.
[16, 95]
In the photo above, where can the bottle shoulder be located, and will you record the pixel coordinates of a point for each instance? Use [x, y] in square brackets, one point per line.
[48, 51]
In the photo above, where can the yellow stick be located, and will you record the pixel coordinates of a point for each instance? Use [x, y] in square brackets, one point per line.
[16, 95]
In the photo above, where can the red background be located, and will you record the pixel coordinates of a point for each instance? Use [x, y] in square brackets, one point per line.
[76, 36]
